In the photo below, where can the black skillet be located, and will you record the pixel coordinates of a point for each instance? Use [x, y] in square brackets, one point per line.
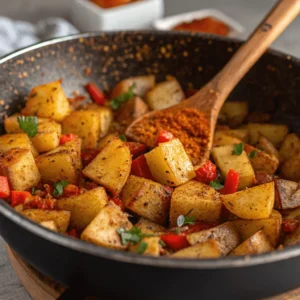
[272, 86]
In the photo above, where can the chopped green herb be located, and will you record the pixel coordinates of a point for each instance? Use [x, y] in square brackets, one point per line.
[59, 187]
[33, 191]
[116, 102]
[162, 243]
[133, 236]
[253, 154]
[29, 125]
[122, 137]
[216, 184]
[238, 149]
[185, 220]
[141, 247]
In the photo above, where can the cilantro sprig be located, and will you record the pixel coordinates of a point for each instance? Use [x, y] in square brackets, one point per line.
[29, 125]
[185, 220]
[116, 102]
[123, 138]
[142, 247]
[216, 184]
[59, 187]
[253, 154]
[238, 149]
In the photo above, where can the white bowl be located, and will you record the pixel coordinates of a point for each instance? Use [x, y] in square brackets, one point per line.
[170, 22]
[88, 16]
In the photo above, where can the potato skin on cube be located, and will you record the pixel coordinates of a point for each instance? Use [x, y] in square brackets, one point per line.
[235, 112]
[225, 160]
[285, 189]
[291, 168]
[19, 167]
[48, 101]
[111, 167]
[84, 207]
[103, 228]
[147, 198]
[169, 163]
[290, 146]
[202, 200]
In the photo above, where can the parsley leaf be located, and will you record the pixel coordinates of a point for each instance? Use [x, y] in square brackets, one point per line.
[132, 236]
[33, 191]
[216, 184]
[253, 154]
[122, 137]
[59, 187]
[29, 125]
[116, 102]
[184, 220]
[162, 243]
[238, 149]
[141, 248]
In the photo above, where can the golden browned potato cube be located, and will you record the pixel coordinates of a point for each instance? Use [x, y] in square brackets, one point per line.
[268, 147]
[222, 139]
[273, 132]
[241, 134]
[291, 168]
[149, 227]
[225, 234]
[169, 163]
[235, 112]
[256, 244]
[201, 200]
[291, 213]
[61, 218]
[111, 167]
[48, 101]
[49, 224]
[225, 160]
[262, 161]
[153, 246]
[254, 203]
[142, 85]
[165, 94]
[271, 227]
[208, 249]
[84, 207]
[285, 194]
[102, 230]
[106, 140]
[290, 146]
[18, 140]
[147, 198]
[11, 124]
[19, 167]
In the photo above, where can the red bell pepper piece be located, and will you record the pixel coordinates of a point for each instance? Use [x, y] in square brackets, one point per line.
[118, 202]
[4, 187]
[88, 155]
[40, 203]
[207, 172]
[290, 225]
[70, 190]
[174, 241]
[163, 136]
[67, 138]
[73, 233]
[140, 168]
[136, 149]
[231, 183]
[199, 226]
[96, 94]
[19, 197]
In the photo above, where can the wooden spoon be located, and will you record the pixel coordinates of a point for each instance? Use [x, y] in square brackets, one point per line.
[212, 96]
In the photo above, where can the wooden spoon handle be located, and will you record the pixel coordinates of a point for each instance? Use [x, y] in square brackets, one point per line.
[277, 20]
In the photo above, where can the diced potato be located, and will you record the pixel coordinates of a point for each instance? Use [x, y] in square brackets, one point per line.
[271, 227]
[165, 94]
[142, 85]
[19, 207]
[254, 203]
[153, 246]
[18, 140]
[225, 234]
[102, 230]
[19, 167]
[48, 101]
[291, 213]
[89, 125]
[291, 168]
[111, 167]
[235, 112]
[61, 218]
[241, 134]
[262, 161]
[256, 244]
[106, 140]
[147, 198]
[62, 163]
[11, 124]
[149, 227]
[273, 132]
[222, 139]
[84, 207]
[49, 224]
[225, 160]
[169, 163]
[201, 200]
[267, 146]
[290, 146]
[292, 238]
[48, 135]
[208, 249]
[259, 117]
[284, 194]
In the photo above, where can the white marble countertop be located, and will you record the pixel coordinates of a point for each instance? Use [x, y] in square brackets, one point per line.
[248, 13]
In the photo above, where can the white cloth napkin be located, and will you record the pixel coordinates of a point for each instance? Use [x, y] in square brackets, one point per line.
[19, 34]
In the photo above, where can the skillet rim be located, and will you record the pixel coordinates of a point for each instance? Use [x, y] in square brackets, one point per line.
[125, 257]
